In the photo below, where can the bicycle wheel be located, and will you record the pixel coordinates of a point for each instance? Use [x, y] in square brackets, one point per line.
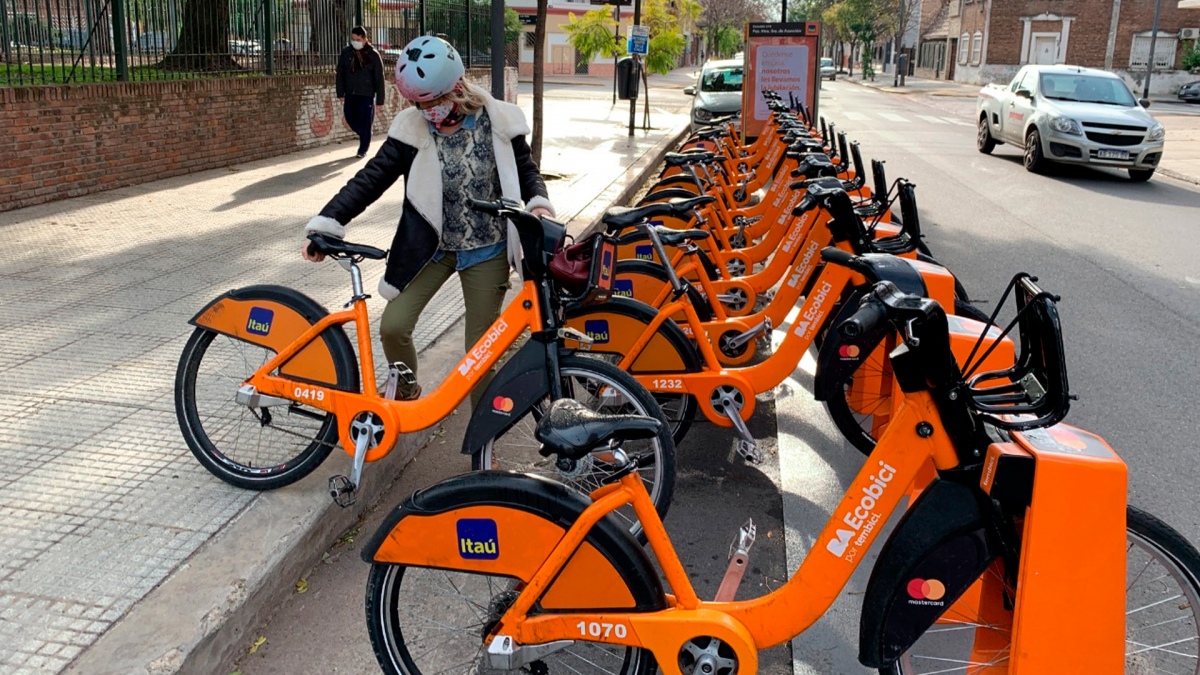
[1162, 612]
[861, 413]
[252, 448]
[606, 389]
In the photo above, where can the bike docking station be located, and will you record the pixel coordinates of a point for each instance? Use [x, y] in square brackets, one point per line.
[783, 58]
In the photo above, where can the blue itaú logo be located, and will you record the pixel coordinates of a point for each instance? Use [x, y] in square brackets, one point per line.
[623, 288]
[597, 330]
[477, 539]
[645, 252]
[260, 320]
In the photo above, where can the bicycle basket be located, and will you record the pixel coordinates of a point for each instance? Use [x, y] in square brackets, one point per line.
[584, 271]
[1034, 392]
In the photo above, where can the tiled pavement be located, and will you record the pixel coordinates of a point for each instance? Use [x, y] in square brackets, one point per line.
[100, 498]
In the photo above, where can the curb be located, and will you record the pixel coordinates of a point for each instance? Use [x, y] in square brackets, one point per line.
[1179, 176]
[200, 619]
[628, 183]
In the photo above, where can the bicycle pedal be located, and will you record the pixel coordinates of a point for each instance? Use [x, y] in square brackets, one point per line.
[343, 492]
[748, 451]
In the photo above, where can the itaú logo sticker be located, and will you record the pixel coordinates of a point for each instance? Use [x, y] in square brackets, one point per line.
[259, 321]
[477, 539]
[622, 288]
[926, 592]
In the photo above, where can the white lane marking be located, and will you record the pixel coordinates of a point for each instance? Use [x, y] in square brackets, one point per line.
[961, 123]
[931, 119]
[856, 116]
[892, 117]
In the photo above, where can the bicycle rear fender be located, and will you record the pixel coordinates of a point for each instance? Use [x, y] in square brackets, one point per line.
[936, 553]
[504, 523]
[521, 382]
[617, 324]
[273, 317]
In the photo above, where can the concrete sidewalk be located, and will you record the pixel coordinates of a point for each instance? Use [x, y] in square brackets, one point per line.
[1180, 161]
[119, 553]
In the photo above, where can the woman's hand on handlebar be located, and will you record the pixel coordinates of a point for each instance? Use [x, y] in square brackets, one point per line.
[541, 212]
[309, 254]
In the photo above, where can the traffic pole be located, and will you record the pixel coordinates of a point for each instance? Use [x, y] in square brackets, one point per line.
[637, 68]
[1150, 58]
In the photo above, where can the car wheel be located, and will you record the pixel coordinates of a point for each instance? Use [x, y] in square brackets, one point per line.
[1140, 175]
[1034, 161]
[983, 140]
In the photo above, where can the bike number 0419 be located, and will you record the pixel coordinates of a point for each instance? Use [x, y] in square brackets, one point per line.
[597, 629]
[309, 394]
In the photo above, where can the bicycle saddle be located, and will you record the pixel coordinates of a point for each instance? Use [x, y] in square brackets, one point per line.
[710, 134]
[624, 216]
[330, 245]
[570, 430]
[671, 237]
[682, 158]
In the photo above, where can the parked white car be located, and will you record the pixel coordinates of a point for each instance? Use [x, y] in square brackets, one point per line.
[1072, 115]
[828, 70]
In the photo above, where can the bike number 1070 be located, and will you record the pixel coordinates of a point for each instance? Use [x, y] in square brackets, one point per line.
[597, 629]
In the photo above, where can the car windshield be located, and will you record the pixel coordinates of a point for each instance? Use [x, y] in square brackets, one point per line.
[825, 63]
[1086, 89]
[722, 79]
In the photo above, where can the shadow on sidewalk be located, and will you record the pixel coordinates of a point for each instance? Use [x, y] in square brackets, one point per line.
[284, 183]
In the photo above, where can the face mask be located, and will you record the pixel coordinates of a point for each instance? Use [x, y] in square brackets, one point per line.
[357, 45]
[438, 113]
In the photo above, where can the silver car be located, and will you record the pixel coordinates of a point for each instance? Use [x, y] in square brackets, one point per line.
[1071, 115]
[718, 91]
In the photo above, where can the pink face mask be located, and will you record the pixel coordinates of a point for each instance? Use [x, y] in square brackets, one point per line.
[438, 113]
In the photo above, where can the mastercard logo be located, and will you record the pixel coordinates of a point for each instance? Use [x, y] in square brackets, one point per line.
[502, 403]
[848, 351]
[926, 589]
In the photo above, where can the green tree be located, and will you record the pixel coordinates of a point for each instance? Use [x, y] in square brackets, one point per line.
[592, 35]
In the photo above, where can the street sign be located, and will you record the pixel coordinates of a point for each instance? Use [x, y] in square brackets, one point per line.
[639, 40]
[527, 19]
[782, 57]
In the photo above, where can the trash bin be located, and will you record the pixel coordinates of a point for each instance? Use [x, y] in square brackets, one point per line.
[627, 79]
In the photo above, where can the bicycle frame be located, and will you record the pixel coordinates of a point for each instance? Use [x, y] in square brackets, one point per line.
[230, 316]
[1045, 610]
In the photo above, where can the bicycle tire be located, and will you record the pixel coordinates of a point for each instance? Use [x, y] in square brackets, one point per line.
[630, 398]
[1145, 534]
[282, 468]
[855, 424]
[385, 598]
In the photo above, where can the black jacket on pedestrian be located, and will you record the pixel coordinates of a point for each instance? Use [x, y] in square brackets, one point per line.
[364, 79]
[410, 152]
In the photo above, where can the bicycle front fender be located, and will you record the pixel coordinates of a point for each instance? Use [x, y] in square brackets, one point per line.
[938, 550]
[522, 381]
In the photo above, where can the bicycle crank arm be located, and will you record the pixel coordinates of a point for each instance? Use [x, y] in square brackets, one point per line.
[739, 558]
[248, 395]
[740, 340]
[746, 446]
[503, 654]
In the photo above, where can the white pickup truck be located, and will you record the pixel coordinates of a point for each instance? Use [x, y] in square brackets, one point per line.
[1070, 114]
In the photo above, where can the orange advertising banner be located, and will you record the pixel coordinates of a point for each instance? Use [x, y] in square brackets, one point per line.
[784, 58]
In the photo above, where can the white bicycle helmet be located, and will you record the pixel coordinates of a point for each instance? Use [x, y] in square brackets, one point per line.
[428, 68]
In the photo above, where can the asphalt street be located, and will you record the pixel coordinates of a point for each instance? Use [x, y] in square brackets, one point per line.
[1125, 260]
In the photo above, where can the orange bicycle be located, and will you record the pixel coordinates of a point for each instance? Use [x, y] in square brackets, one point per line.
[1001, 565]
[268, 384]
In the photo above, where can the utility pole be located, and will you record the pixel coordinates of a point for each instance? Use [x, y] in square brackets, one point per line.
[637, 67]
[497, 49]
[897, 45]
[1150, 58]
[783, 12]
[616, 43]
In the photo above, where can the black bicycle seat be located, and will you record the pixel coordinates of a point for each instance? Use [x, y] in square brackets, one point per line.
[331, 245]
[695, 157]
[570, 430]
[622, 216]
[709, 134]
[670, 237]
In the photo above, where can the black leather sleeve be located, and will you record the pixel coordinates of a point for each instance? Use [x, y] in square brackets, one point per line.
[532, 184]
[391, 162]
[380, 90]
[342, 68]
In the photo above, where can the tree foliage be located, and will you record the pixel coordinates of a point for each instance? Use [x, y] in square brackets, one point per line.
[725, 19]
[594, 34]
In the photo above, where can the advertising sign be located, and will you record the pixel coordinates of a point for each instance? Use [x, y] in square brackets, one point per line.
[785, 58]
[639, 40]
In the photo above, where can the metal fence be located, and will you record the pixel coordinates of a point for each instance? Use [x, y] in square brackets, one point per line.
[64, 41]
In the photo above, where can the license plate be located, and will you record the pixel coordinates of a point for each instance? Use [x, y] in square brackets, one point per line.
[1112, 154]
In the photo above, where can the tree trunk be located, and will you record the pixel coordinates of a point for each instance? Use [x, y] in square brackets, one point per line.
[539, 73]
[645, 97]
[330, 28]
[203, 40]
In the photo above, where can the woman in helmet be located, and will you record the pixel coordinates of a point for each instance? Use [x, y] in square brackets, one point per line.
[455, 142]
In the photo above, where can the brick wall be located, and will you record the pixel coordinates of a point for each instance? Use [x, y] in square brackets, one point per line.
[66, 141]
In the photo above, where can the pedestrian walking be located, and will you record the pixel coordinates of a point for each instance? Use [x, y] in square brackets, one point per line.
[453, 143]
[360, 85]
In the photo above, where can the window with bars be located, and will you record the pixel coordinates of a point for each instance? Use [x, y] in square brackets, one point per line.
[1164, 51]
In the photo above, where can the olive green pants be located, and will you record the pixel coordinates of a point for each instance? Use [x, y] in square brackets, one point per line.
[483, 287]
